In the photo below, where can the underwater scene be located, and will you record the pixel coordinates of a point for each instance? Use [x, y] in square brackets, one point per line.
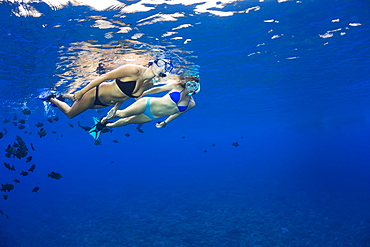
[231, 123]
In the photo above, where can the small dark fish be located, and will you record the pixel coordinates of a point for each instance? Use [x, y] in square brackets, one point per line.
[10, 150]
[42, 132]
[10, 168]
[16, 181]
[50, 120]
[6, 197]
[53, 132]
[6, 120]
[213, 144]
[115, 141]
[1, 135]
[56, 118]
[86, 128]
[32, 147]
[15, 123]
[7, 216]
[205, 151]
[22, 152]
[183, 137]
[5, 131]
[28, 159]
[21, 121]
[7, 187]
[23, 173]
[127, 134]
[20, 141]
[1, 212]
[71, 125]
[106, 130]
[35, 189]
[55, 175]
[235, 144]
[97, 142]
[32, 168]
[139, 128]
[39, 125]
[26, 111]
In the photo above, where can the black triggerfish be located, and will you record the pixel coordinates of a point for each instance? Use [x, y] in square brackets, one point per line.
[55, 175]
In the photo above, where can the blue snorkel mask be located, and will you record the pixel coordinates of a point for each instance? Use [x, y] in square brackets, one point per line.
[164, 65]
[194, 86]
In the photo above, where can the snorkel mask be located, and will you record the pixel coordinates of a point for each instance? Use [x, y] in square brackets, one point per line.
[194, 86]
[165, 66]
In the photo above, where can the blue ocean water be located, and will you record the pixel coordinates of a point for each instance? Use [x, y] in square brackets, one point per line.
[276, 152]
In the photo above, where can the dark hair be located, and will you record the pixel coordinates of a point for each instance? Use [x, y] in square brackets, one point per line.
[189, 78]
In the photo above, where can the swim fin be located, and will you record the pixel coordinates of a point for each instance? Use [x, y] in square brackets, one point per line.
[46, 94]
[95, 131]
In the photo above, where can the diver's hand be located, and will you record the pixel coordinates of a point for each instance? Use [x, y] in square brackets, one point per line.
[103, 120]
[110, 114]
[77, 96]
[161, 124]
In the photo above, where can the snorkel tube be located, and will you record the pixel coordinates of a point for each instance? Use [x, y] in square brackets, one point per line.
[196, 87]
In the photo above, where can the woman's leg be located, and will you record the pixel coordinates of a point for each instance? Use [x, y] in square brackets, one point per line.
[86, 102]
[136, 119]
[136, 108]
[68, 96]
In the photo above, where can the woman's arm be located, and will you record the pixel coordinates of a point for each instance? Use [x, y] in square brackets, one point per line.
[111, 112]
[169, 119]
[174, 116]
[166, 87]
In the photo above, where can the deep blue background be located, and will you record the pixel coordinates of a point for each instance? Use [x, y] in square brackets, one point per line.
[297, 105]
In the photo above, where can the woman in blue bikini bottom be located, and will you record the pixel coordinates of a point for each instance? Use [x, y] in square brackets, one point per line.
[177, 101]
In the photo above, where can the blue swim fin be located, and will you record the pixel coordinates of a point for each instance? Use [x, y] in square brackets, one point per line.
[95, 131]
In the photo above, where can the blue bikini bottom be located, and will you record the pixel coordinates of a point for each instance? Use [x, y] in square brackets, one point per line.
[147, 111]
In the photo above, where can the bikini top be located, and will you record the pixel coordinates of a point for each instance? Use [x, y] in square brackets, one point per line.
[176, 96]
[127, 87]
